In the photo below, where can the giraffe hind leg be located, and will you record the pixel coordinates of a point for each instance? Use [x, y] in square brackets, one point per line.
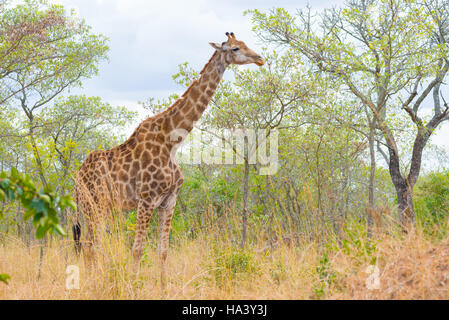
[144, 212]
[165, 216]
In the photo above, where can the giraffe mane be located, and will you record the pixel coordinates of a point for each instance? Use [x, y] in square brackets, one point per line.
[209, 62]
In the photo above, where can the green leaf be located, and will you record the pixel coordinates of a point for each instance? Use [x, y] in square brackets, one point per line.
[14, 173]
[4, 184]
[60, 230]
[28, 214]
[45, 197]
[4, 277]
[41, 231]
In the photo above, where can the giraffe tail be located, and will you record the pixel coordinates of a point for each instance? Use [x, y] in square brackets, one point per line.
[76, 227]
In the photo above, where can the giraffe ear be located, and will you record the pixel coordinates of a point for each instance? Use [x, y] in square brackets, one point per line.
[216, 46]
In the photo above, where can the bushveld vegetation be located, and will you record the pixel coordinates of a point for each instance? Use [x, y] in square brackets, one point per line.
[357, 209]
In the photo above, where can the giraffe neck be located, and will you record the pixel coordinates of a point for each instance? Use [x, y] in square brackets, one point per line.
[189, 108]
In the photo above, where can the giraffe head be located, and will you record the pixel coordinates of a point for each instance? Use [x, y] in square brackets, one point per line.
[236, 51]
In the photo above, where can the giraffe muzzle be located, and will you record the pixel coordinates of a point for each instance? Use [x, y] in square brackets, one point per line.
[259, 61]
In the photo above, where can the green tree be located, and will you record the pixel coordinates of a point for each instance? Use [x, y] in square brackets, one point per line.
[260, 101]
[71, 128]
[46, 52]
[431, 199]
[390, 55]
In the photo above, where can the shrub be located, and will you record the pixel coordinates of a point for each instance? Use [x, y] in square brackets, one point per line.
[431, 200]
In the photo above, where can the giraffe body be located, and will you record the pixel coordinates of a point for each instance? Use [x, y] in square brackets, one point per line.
[142, 173]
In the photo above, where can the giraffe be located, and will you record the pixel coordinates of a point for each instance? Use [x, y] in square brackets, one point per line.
[142, 173]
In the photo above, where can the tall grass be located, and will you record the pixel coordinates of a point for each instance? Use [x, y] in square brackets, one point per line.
[211, 265]
[317, 256]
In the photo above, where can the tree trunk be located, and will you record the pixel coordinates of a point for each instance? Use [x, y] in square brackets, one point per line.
[404, 191]
[405, 205]
[245, 203]
[372, 174]
[403, 187]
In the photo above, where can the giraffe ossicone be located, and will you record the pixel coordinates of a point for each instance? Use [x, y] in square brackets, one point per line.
[142, 173]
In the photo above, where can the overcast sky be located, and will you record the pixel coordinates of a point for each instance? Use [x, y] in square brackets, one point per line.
[149, 39]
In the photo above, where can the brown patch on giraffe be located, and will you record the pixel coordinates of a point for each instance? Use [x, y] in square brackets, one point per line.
[160, 138]
[204, 100]
[156, 150]
[129, 190]
[129, 158]
[147, 125]
[201, 107]
[187, 92]
[150, 136]
[158, 175]
[150, 146]
[205, 78]
[135, 168]
[167, 125]
[145, 159]
[131, 143]
[116, 167]
[213, 85]
[164, 159]
[146, 176]
[177, 118]
[123, 176]
[165, 149]
[141, 135]
[145, 188]
[138, 151]
[191, 116]
[145, 195]
[186, 107]
[187, 125]
[164, 185]
[194, 93]
[203, 87]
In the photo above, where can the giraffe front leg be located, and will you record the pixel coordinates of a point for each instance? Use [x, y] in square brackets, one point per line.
[165, 217]
[144, 212]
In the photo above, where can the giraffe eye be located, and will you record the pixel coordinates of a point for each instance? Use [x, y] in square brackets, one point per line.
[235, 49]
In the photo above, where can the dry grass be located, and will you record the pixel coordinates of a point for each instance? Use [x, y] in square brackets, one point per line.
[411, 268]
[208, 268]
